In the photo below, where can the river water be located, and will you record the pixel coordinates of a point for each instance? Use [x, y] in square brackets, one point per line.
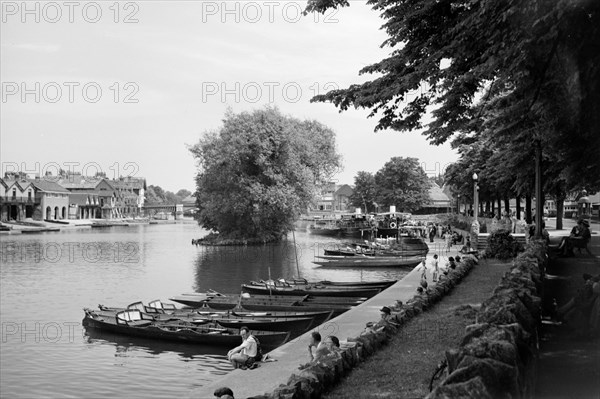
[47, 279]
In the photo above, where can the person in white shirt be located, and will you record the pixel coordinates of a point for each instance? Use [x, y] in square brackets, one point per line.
[239, 355]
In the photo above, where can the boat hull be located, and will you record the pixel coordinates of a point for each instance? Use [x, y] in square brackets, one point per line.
[354, 261]
[295, 325]
[199, 335]
[325, 291]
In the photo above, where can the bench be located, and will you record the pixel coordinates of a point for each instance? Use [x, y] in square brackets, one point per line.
[581, 244]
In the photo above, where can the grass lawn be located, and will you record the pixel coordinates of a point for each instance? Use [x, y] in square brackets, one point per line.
[404, 367]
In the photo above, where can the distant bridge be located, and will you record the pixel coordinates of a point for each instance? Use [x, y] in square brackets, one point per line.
[173, 209]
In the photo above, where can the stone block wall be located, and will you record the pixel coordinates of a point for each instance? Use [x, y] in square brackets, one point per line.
[318, 378]
[497, 356]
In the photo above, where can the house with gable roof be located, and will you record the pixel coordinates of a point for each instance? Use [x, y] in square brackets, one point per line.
[52, 199]
[439, 202]
[93, 197]
[130, 195]
[17, 198]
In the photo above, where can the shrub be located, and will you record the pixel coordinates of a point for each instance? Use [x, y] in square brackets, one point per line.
[502, 245]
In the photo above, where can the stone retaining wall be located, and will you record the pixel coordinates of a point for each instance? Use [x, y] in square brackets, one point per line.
[497, 356]
[313, 381]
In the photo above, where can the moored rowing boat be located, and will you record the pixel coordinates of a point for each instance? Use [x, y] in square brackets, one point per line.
[133, 322]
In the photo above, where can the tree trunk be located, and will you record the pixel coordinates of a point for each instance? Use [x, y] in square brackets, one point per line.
[499, 207]
[518, 199]
[528, 208]
[539, 194]
[507, 205]
[493, 208]
[487, 206]
[560, 212]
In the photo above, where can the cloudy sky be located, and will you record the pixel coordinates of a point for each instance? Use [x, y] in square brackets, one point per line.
[124, 87]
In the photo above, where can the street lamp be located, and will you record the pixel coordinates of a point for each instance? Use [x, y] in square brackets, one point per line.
[475, 195]
[475, 224]
[458, 204]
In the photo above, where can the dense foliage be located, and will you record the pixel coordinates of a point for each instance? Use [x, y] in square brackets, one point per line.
[502, 245]
[403, 183]
[500, 79]
[155, 195]
[365, 192]
[259, 171]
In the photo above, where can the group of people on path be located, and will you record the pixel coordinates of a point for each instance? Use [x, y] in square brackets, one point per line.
[435, 267]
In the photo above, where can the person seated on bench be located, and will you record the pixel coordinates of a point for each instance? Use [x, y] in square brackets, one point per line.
[578, 308]
[579, 237]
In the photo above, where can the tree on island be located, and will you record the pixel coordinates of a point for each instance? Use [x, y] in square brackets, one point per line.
[403, 183]
[259, 172]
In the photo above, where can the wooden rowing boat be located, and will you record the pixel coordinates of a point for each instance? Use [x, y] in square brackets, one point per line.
[159, 310]
[366, 261]
[383, 283]
[295, 325]
[254, 302]
[135, 323]
[316, 290]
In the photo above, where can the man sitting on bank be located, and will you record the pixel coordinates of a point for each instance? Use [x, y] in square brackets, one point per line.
[384, 322]
[240, 355]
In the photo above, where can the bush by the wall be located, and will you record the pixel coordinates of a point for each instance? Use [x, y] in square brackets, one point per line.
[502, 245]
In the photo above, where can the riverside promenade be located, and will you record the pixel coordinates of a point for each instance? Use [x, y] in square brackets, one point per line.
[266, 378]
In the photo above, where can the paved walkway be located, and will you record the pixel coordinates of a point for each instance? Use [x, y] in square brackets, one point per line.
[569, 364]
[247, 383]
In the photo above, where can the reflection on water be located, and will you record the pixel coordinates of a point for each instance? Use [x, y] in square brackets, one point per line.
[224, 268]
[122, 343]
[47, 279]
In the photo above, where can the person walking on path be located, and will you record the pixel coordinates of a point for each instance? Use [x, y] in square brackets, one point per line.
[424, 270]
[436, 270]
[448, 242]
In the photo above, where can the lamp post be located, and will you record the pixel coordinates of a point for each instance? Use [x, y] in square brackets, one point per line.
[458, 204]
[475, 224]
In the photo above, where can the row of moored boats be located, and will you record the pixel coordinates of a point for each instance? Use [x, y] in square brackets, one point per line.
[274, 310]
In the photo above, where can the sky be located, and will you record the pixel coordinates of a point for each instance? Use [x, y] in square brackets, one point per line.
[125, 87]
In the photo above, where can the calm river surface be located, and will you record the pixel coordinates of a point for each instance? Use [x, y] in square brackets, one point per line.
[47, 279]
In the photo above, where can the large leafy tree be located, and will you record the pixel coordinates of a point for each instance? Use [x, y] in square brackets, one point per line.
[365, 191]
[524, 71]
[403, 183]
[259, 171]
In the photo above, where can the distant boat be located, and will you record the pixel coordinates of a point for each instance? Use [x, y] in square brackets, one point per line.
[368, 261]
[325, 227]
[313, 290]
[297, 281]
[401, 246]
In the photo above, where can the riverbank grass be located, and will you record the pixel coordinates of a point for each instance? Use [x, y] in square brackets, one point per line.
[403, 368]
